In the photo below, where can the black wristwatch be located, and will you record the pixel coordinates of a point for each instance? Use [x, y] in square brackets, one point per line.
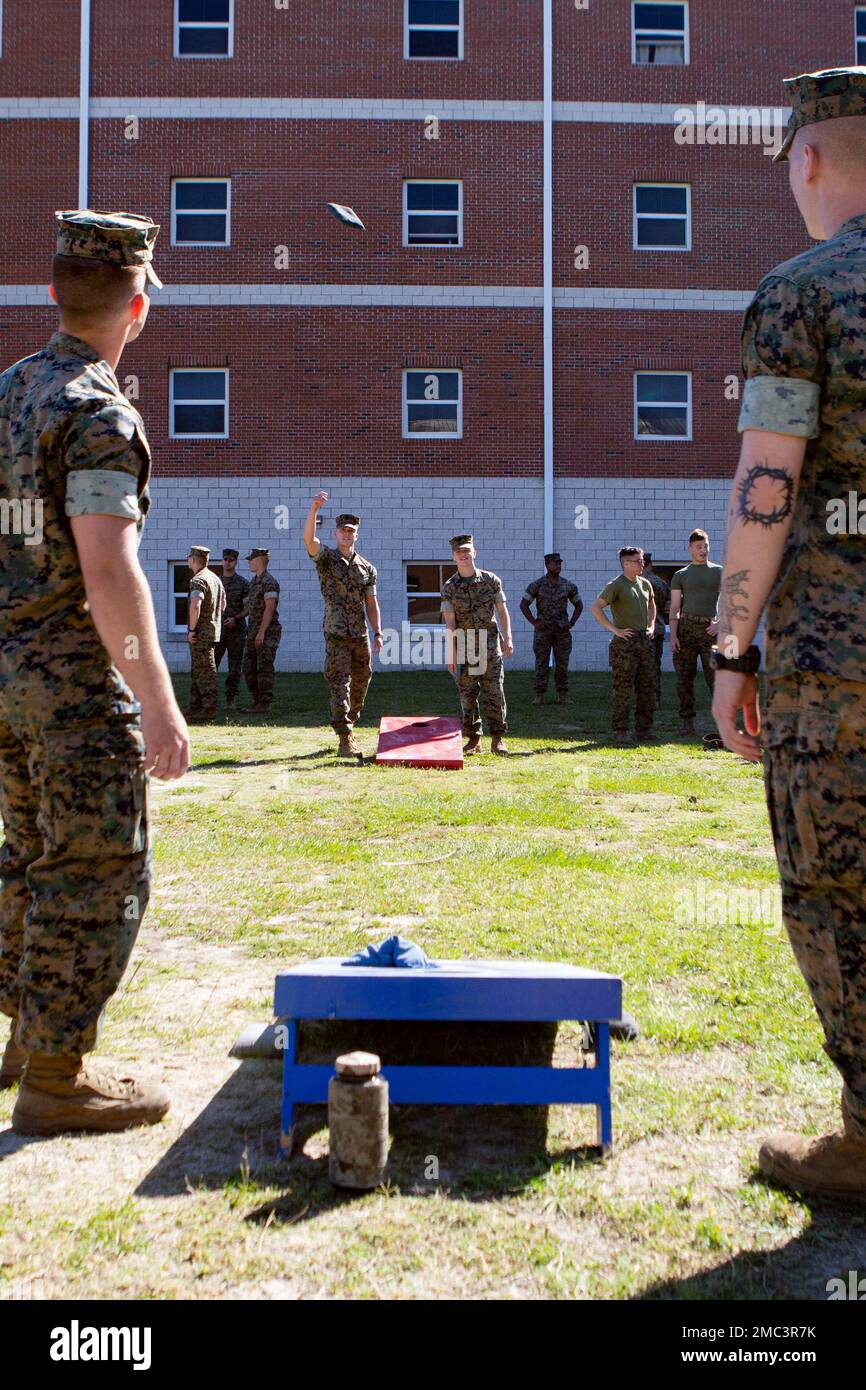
[748, 664]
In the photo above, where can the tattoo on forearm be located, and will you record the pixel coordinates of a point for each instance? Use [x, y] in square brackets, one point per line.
[735, 599]
[766, 496]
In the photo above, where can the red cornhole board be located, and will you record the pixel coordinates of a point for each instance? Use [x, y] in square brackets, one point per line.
[419, 740]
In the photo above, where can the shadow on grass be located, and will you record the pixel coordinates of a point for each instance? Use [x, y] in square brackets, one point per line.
[833, 1243]
[476, 1153]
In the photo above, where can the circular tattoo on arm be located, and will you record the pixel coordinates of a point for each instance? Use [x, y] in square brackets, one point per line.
[766, 496]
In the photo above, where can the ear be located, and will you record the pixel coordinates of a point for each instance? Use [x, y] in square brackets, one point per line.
[137, 304]
[52, 292]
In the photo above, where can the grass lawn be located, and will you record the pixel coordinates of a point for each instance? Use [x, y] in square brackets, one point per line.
[653, 862]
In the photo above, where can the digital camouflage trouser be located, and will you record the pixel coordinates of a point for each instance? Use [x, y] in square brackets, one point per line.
[815, 777]
[545, 640]
[259, 665]
[232, 641]
[658, 641]
[75, 866]
[633, 669]
[489, 687]
[203, 680]
[693, 644]
[348, 671]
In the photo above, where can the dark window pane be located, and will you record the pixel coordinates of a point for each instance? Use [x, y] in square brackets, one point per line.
[654, 419]
[427, 197]
[436, 416]
[196, 43]
[198, 386]
[181, 612]
[661, 231]
[441, 230]
[434, 43]
[659, 16]
[425, 611]
[201, 195]
[416, 385]
[422, 579]
[653, 386]
[861, 53]
[434, 11]
[861, 21]
[446, 196]
[203, 11]
[180, 579]
[661, 199]
[192, 226]
[199, 419]
[419, 196]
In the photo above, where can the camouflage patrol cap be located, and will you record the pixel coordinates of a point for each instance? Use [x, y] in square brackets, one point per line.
[124, 238]
[554, 555]
[461, 542]
[254, 554]
[347, 519]
[230, 554]
[201, 550]
[822, 96]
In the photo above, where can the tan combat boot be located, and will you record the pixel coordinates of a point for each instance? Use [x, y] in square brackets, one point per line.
[497, 745]
[348, 747]
[472, 745]
[59, 1094]
[832, 1166]
[12, 1065]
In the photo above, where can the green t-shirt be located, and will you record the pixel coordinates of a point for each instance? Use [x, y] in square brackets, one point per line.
[629, 603]
[699, 585]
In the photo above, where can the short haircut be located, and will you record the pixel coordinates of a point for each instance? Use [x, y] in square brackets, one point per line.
[699, 535]
[627, 551]
[91, 291]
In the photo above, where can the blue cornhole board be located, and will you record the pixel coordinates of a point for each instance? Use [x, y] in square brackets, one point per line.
[506, 991]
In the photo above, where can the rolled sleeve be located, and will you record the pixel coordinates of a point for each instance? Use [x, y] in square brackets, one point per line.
[782, 361]
[102, 492]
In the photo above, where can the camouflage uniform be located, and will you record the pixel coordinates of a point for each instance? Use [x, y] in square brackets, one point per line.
[203, 685]
[804, 345]
[631, 658]
[75, 864]
[346, 581]
[662, 594]
[552, 630]
[232, 639]
[259, 661]
[694, 646]
[473, 602]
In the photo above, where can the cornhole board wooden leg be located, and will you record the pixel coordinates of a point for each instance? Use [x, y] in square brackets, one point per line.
[287, 1119]
[420, 740]
[604, 1111]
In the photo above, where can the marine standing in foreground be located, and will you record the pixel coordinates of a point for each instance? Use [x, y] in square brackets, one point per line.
[472, 602]
[79, 651]
[803, 421]
[348, 584]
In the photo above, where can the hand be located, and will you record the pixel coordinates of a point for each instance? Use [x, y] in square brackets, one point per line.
[377, 642]
[166, 739]
[319, 500]
[675, 646]
[452, 667]
[229, 622]
[713, 630]
[259, 639]
[190, 637]
[650, 630]
[733, 691]
[625, 632]
[507, 648]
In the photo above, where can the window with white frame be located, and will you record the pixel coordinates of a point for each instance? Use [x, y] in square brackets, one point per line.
[860, 35]
[432, 212]
[179, 575]
[423, 590]
[200, 212]
[659, 33]
[432, 404]
[203, 28]
[199, 403]
[662, 405]
[433, 29]
[662, 217]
